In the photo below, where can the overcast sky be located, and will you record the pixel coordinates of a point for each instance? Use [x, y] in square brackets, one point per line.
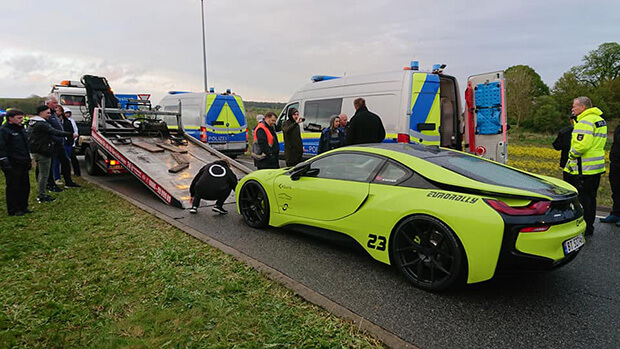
[265, 50]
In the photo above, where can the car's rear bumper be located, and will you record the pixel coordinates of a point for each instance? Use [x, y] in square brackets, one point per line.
[537, 251]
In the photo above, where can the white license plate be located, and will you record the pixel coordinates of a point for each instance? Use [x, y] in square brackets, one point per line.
[573, 244]
[218, 146]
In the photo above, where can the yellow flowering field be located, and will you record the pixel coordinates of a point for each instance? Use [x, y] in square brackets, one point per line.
[546, 161]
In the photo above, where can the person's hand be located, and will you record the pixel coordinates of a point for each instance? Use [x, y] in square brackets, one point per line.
[5, 164]
[75, 135]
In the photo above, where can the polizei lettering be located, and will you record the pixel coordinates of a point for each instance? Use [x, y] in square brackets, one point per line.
[452, 197]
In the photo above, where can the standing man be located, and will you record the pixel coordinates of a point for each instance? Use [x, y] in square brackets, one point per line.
[344, 122]
[586, 158]
[71, 142]
[15, 162]
[614, 179]
[365, 126]
[266, 139]
[291, 130]
[562, 143]
[59, 155]
[42, 146]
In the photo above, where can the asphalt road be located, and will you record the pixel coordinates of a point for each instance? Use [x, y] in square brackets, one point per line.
[577, 306]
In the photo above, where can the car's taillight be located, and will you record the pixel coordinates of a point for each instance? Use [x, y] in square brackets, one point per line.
[203, 134]
[402, 138]
[536, 208]
[534, 229]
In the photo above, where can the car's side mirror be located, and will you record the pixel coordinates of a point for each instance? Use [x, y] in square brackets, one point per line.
[299, 170]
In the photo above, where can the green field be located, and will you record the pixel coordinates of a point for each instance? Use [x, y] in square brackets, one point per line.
[93, 271]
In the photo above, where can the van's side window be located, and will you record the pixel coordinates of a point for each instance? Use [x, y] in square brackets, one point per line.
[318, 113]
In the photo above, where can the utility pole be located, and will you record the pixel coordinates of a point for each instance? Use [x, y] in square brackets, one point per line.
[204, 44]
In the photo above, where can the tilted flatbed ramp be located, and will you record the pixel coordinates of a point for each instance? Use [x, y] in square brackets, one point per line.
[137, 150]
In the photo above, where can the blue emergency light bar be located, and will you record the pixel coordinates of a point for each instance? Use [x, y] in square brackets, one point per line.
[317, 78]
[212, 89]
[415, 65]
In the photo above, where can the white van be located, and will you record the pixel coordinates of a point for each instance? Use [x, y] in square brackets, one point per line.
[416, 107]
[71, 94]
[216, 119]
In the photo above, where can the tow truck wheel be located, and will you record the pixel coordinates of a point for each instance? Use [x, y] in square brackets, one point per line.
[90, 158]
[254, 205]
[427, 253]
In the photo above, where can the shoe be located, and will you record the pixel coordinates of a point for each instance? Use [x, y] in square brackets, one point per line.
[54, 188]
[27, 211]
[46, 198]
[72, 185]
[58, 182]
[193, 210]
[19, 213]
[617, 224]
[220, 210]
[612, 218]
[588, 233]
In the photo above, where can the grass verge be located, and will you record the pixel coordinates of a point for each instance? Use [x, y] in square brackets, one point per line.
[91, 270]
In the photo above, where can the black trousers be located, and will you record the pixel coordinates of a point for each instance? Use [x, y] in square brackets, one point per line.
[17, 188]
[219, 202]
[614, 181]
[587, 186]
[65, 166]
[75, 163]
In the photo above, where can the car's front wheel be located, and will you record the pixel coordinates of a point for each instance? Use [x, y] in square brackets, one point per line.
[427, 252]
[254, 204]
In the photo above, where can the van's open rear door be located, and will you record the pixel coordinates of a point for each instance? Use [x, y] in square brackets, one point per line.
[485, 116]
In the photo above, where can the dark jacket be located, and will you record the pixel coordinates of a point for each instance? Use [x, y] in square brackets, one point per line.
[325, 143]
[271, 152]
[14, 144]
[67, 126]
[55, 122]
[213, 181]
[293, 146]
[562, 143]
[40, 134]
[614, 153]
[365, 127]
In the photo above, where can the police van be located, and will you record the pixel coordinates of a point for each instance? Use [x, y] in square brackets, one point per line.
[216, 119]
[415, 107]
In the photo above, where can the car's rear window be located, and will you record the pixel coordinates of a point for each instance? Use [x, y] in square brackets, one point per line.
[488, 172]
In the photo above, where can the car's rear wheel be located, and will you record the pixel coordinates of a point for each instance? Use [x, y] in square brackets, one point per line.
[427, 252]
[254, 204]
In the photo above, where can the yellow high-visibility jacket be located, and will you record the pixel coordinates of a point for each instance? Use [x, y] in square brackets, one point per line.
[588, 143]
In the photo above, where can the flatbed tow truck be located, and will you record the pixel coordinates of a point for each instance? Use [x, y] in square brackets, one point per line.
[140, 142]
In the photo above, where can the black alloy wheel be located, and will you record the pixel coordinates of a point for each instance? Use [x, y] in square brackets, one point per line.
[427, 253]
[254, 205]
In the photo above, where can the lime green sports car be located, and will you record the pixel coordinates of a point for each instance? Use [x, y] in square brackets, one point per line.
[439, 216]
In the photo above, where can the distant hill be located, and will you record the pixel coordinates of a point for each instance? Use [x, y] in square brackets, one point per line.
[267, 105]
[27, 105]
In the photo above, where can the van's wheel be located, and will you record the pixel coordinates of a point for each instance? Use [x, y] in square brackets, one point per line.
[427, 253]
[254, 204]
[90, 157]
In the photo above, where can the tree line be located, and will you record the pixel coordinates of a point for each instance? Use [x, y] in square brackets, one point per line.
[533, 106]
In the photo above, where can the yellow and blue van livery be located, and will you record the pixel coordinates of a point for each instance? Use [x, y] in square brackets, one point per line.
[216, 119]
[415, 107]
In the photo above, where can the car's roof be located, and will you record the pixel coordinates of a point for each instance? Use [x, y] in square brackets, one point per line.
[417, 150]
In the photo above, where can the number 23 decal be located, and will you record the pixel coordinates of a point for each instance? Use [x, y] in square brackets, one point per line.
[376, 242]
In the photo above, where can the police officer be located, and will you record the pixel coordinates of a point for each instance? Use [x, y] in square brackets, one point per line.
[614, 179]
[586, 158]
[15, 162]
